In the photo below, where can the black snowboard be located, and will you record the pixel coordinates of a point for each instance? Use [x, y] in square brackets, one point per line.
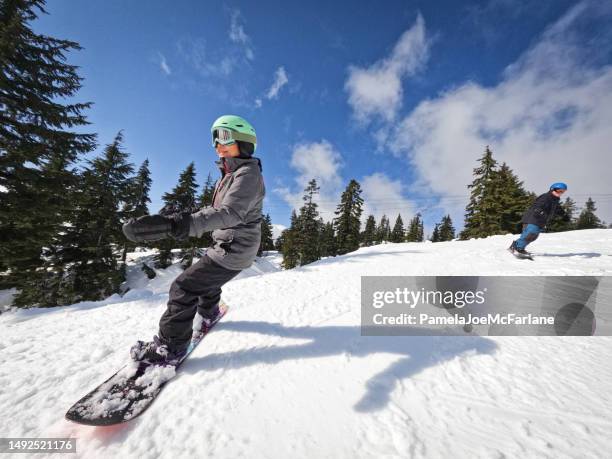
[521, 256]
[131, 390]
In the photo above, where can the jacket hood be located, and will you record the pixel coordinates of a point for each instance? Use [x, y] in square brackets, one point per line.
[231, 164]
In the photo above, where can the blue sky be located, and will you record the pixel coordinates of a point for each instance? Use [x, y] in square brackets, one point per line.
[402, 98]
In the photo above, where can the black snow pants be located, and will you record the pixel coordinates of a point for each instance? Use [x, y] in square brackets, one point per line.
[197, 289]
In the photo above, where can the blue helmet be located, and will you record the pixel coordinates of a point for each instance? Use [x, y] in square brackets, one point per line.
[558, 186]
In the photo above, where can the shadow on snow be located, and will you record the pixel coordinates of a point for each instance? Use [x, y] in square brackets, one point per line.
[416, 353]
[564, 255]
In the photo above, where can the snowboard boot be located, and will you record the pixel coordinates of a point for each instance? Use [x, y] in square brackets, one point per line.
[202, 323]
[514, 249]
[156, 351]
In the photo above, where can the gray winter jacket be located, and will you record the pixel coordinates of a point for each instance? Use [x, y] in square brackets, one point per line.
[235, 215]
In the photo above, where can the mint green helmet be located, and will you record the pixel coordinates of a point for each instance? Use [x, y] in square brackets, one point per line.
[231, 128]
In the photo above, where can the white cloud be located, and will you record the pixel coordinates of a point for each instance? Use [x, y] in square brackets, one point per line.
[280, 80]
[221, 60]
[163, 64]
[239, 36]
[377, 91]
[277, 229]
[194, 52]
[319, 161]
[549, 118]
[382, 195]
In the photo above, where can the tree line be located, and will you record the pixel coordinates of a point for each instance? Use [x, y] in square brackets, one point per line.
[309, 238]
[497, 202]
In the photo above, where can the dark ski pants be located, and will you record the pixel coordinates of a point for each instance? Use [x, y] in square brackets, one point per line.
[197, 289]
[530, 234]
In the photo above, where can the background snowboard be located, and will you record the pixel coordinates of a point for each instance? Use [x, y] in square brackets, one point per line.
[131, 390]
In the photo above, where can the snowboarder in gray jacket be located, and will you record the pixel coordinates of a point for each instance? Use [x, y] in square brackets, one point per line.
[235, 221]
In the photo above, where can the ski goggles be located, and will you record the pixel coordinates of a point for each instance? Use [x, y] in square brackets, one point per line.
[226, 136]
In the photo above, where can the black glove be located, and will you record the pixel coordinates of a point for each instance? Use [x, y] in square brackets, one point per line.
[155, 227]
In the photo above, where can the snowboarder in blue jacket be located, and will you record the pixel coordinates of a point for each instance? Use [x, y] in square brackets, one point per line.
[538, 215]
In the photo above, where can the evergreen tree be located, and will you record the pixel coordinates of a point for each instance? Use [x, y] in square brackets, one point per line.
[587, 218]
[435, 236]
[136, 204]
[182, 198]
[308, 235]
[278, 244]
[397, 235]
[368, 236]
[347, 223]
[564, 222]
[329, 247]
[512, 200]
[415, 229]
[266, 235]
[81, 263]
[138, 200]
[205, 200]
[383, 231]
[446, 230]
[483, 213]
[290, 243]
[37, 147]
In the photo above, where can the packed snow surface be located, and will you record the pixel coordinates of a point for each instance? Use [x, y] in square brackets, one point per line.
[287, 373]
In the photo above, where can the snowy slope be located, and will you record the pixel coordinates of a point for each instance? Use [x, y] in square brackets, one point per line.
[287, 374]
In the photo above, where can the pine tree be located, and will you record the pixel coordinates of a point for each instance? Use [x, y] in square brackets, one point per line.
[266, 236]
[446, 229]
[308, 235]
[205, 200]
[347, 223]
[37, 147]
[383, 231]
[415, 229]
[329, 247]
[137, 201]
[483, 213]
[435, 236]
[587, 218]
[182, 198]
[81, 263]
[206, 197]
[278, 243]
[566, 221]
[290, 243]
[368, 236]
[512, 200]
[397, 235]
